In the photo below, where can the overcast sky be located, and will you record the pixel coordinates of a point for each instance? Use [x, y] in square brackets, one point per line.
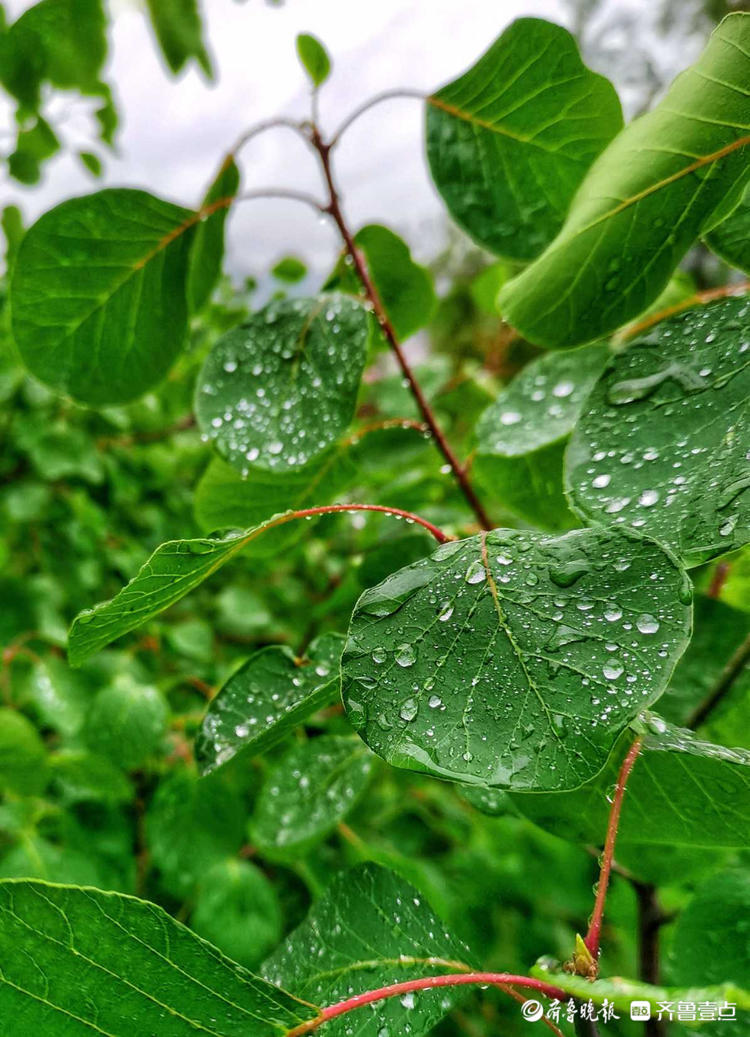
[174, 131]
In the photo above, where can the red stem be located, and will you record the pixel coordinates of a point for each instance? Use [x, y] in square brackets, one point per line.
[334, 208]
[485, 979]
[595, 926]
[330, 509]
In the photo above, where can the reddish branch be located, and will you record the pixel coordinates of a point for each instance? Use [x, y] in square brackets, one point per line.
[484, 979]
[331, 509]
[360, 266]
[723, 292]
[595, 926]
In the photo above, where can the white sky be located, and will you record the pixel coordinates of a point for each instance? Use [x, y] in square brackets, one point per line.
[174, 131]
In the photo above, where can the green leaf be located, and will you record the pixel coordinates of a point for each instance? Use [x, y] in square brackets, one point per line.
[290, 270]
[224, 499]
[207, 249]
[266, 698]
[731, 238]
[172, 571]
[512, 659]
[179, 30]
[279, 390]
[314, 58]
[13, 229]
[509, 141]
[126, 722]
[23, 758]
[237, 910]
[305, 795]
[710, 940]
[61, 698]
[662, 443]
[663, 181]
[81, 777]
[92, 162]
[370, 929]
[622, 992]
[98, 294]
[191, 825]
[114, 965]
[405, 287]
[33, 147]
[521, 436]
[682, 792]
[719, 630]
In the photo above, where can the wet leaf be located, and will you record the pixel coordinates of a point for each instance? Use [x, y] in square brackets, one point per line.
[98, 294]
[266, 698]
[207, 249]
[509, 141]
[731, 239]
[116, 965]
[514, 659]
[682, 791]
[662, 443]
[278, 391]
[522, 435]
[305, 795]
[370, 929]
[664, 180]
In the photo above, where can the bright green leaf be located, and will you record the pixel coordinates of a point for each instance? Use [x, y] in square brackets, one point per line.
[509, 141]
[513, 659]
[314, 58]
[305, 795]
[118, 966]
[279, 390]
[179, 30]
[290, 270]
[266, 698]
[405, 288]
[662, 443]
[207, 249]
[82, 777]
[98, 294]
[731, 238]
[643, 203]
[370, 929]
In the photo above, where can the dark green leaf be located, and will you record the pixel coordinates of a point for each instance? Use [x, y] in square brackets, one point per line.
[513, 659]
[23, 758]
[405, 288]
[710, 943]
[510, 141]
[279, 390]
[98, 294]
[33, 147]
[662, 182]
[207, 250]
[305, 795]
[117, 966]
[237, 910]
[81, 777]
[369, 930]
[13, 229]
[662, 443]
[179, 30]
[267, 697]
[126, 722]
[682, 792]
[731, 239]
[191, 825]
[521, 436]
[314, 58]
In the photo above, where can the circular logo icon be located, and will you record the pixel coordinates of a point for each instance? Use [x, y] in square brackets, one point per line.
[532, 1011]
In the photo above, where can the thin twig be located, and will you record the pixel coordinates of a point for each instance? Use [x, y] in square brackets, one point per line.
[332, 509]
[595, 926]
[268, 124]
[386, 95]
[724, 292]
[334, 208]
[281, 192]
[728, 676]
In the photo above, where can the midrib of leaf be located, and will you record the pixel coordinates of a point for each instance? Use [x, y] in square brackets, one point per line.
[401, 961]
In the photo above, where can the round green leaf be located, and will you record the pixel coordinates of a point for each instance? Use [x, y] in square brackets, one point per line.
[237, 910]
[509, 141]
[98, 294]
[266, 698]
[307, 793]
[279, 390]
[126, 722]
[513, 659]
[23, 758]
[662, 445]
